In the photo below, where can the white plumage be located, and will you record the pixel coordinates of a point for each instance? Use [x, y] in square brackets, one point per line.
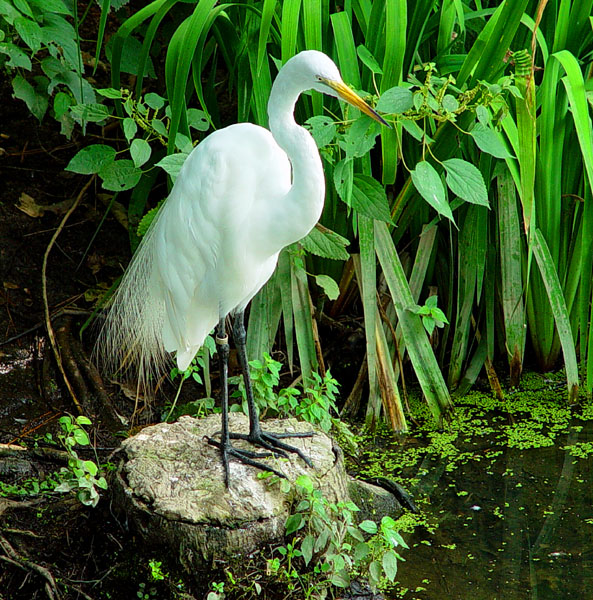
[242, 195]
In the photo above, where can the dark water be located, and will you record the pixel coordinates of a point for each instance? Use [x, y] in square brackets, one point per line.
[513, 524]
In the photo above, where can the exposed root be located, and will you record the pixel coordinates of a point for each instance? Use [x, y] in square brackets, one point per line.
[12, 557]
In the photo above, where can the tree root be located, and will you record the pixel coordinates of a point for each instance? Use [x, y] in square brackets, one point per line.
[12, 557]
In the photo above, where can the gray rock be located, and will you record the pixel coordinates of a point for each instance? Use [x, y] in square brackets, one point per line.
[171, 484]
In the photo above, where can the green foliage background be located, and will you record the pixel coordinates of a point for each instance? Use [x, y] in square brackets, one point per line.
[480, 194]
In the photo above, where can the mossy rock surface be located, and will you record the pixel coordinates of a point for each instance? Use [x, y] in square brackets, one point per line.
[173, 486]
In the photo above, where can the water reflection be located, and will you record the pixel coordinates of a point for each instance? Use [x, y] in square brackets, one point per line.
[513, 524]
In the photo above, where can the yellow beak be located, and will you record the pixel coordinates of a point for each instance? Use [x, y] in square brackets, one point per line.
[346, 94]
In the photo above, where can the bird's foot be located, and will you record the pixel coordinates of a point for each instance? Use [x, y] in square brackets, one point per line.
[245, 456]
[271, 441]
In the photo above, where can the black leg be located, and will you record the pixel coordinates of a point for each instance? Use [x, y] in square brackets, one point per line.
[269, 441]
[226, 448]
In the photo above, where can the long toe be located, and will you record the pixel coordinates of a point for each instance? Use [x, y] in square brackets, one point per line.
[247, 457]
[271, 441]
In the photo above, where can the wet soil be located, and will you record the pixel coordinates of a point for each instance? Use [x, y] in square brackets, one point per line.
[51, 545]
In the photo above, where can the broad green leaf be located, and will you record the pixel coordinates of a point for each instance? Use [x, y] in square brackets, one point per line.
[90, 467]
[326, 243]
[140, 151]
[81, 89]
[36, 102]
[109, 93]
[450, 103]
[355, 532]
[489, 141]
[390, 564]
[483, 114]
[344, 179]
[18, 58]
[415, 131]
[429, 185]
[293, 523]
[183, 143]
[91, 159]
[361, 551]
[307, 548]
[130, 128]
[62, 102]
[340, 579]
[197, 119]
[82, 420]
[321, 541]
[30, 32]
[154, 100]
[52, 6]
[323, 129]
[375, 572]
[81, 437]
[64, 487]
[369, 198]
[329, 286]
[159, 127]
[466, 181]
[368, 60]
[361, 137]
[395, 100]
[93, 113]
[9, 12]
[305, 482]
[172, 164]
[120, 175]
[369, 526]
[57, 31]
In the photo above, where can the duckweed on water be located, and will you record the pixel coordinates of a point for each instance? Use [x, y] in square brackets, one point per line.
[482, 429]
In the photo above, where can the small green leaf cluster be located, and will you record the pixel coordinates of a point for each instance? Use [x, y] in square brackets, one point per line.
[340, 146]
[432, 316]
[327, 547]
[38, 32]
[200, 364]
[31, 486]
[81, 476]
[315, 404]
[145, 121]
[265, 376]
[156, 570]
[217, 592]
[319, 401]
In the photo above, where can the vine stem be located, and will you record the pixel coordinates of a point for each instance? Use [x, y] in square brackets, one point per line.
[48, 325]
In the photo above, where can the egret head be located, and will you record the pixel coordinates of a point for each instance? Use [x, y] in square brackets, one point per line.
[315, 70]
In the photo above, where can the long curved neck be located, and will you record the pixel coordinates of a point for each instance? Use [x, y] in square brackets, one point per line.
[303, 204]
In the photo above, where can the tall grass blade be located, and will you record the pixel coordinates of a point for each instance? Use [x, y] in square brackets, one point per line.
[396, 23]
[423, 360]
[390, 397]
[511, 284]
[367, 278]
[291, 10]
[559, 310]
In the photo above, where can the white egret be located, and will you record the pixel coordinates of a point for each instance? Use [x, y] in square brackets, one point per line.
[242, 195]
